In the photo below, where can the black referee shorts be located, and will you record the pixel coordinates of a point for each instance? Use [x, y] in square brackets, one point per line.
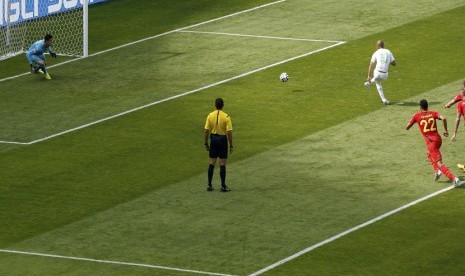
[218, 146]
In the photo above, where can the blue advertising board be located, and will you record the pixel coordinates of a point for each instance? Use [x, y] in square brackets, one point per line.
[17, 11]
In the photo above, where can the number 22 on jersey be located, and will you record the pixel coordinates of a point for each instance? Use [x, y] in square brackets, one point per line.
[429, 125]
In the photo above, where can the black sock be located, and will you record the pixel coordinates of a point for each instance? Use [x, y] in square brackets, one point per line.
[223, 175]
[210, 174]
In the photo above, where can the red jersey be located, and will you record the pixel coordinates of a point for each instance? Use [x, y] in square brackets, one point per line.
[461, 108]
[426, 121]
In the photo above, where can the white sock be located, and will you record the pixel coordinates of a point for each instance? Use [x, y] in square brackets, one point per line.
[380, 92]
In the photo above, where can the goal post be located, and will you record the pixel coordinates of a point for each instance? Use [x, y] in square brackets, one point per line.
[22, 22]
[85, 28]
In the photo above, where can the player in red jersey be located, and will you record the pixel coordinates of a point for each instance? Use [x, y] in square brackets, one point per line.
[460, 96]
[460, 113]
[426, 121]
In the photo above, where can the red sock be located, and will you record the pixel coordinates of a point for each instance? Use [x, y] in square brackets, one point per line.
[433, 163]
[445, 171]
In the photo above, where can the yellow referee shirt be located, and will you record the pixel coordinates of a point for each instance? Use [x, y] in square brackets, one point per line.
[218, 122]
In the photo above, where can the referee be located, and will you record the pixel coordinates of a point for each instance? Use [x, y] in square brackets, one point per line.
[219, 127]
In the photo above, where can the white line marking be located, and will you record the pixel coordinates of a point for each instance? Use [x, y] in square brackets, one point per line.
[308, 249]
[155, 36]
[112, 262]
[261, 271]
[192, 26]
[180, 95]
[262, 36]
[20, 75]
[13, 142]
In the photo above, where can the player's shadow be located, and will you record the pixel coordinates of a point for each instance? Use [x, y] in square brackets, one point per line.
[416, 103]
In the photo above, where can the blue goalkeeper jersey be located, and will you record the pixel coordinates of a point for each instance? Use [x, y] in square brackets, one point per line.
[38, 48]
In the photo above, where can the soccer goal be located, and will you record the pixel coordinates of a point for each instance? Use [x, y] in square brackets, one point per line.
[23, 22]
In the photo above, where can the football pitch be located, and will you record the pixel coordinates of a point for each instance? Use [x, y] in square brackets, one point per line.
[103, 169]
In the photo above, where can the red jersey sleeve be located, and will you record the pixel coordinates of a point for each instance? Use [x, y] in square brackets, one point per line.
[458, 98]
[413, 120]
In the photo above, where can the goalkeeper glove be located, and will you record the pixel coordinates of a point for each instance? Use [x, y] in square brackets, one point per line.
[53, 55]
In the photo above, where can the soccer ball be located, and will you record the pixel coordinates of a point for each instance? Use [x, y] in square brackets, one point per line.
[284, 77]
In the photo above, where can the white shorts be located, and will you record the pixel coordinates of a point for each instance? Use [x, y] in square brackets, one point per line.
[379, 77]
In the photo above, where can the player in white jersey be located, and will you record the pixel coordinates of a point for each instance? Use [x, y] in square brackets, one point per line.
[382, 58]
[35, 55]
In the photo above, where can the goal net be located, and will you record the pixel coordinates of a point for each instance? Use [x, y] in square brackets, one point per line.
[22, 22]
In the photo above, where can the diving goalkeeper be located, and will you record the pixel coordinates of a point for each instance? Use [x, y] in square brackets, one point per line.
[35, 55]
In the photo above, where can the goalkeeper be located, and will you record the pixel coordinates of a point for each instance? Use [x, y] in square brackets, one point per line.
[35, 55]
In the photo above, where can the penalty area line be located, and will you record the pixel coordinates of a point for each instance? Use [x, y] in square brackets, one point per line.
[111, 262]
[152, 37]
[342, 234]
[262, 36]
[182, 94]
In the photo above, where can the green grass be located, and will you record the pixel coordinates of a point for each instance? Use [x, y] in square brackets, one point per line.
[118, 22]
[396, 169]
[427, 236]
[95, 93]
[314, 156]
[422, 240]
